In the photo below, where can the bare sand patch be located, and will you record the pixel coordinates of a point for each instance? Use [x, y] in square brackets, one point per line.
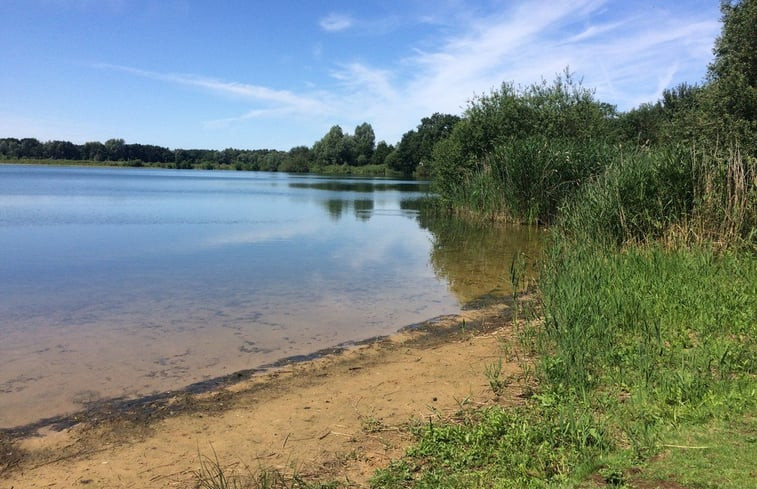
[338, 417]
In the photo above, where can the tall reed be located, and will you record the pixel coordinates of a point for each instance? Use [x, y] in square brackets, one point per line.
[675, 194]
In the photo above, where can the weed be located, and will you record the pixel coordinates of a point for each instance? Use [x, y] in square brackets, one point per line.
[371, 424]
[213, 475]
[493, 373]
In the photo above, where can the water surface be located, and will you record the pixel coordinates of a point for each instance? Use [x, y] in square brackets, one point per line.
[126, 282]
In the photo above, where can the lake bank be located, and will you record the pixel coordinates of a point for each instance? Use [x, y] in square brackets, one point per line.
[336, 417]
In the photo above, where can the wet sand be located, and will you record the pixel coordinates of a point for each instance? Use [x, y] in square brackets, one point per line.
[336, 417]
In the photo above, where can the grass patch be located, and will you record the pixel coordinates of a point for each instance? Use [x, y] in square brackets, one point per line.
[213, 475]
[493, 447]
[638, 350]
[719, 454]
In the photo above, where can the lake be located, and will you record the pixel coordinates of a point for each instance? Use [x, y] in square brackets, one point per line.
[127, 282]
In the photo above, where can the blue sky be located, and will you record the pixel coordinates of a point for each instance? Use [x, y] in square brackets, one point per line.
[277, 74]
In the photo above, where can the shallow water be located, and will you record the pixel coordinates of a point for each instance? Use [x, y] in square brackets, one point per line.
[127, 282]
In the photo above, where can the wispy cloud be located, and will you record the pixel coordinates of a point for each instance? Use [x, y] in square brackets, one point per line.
[629, 58]
[277, 102]
[336, 22]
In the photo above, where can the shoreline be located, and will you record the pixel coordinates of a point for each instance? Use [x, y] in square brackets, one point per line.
[146, 405]
[348, 383]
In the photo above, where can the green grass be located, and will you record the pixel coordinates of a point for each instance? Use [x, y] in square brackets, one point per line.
[491, 447]
[381, 170]
[717, 455]
[670, 194]
[212, 474]
[638, 350]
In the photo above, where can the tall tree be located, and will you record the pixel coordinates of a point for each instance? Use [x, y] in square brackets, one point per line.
[332, 148]
[733, 72]
[416, 146]
[115, 149]
[381, 152]
[365, 143]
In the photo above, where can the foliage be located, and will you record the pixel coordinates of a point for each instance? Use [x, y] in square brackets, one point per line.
[732, 97]
[667, 192]
[335, 149]
[520, 152]
[526, 179]
[338, 148]
[528, 447]
[413, 153]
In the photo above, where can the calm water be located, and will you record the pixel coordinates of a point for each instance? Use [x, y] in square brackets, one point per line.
[127, 282]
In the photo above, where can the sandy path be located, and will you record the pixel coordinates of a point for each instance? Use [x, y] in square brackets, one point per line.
[335, 418]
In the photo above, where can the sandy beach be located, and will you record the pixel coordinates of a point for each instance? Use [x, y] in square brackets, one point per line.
[338, 417]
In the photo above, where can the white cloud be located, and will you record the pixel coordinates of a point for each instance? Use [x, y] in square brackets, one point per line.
[629, 58]
[281, 102]
[335, 22]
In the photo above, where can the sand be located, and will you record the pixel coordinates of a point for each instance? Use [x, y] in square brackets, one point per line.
[339, 417]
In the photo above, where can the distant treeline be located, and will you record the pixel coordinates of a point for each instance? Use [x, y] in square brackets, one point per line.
[516, 150]
[336, 152]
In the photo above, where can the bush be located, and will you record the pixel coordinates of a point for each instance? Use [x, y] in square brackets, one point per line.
[666, 193]
[520, 152]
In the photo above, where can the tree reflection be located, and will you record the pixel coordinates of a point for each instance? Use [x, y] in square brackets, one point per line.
[338, 208]
[475, 258]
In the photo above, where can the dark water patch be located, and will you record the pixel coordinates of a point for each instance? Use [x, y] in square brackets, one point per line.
[363, 186]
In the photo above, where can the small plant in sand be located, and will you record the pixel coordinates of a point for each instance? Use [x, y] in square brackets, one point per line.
[371, 424]
[213, 475]
[493, 373]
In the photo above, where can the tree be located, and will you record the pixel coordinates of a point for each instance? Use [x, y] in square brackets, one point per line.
[114, 149]
[416, 146]
[94, 150]
[61, 150]
[381, 152]
[30, 148]
[332, 149]
[733, 72]
[406, 155]
[297, 160]
[365, 143]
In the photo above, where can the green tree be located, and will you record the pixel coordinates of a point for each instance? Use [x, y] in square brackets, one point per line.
[416, 146]
[406, 155]
[380, 154]
[114, 150]
[521, 151]
[30, 148]
[297, 160]
[332, 149]
[365, 144]
[732, 96]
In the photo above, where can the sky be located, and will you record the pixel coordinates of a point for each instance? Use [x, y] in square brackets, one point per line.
[255, 74]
